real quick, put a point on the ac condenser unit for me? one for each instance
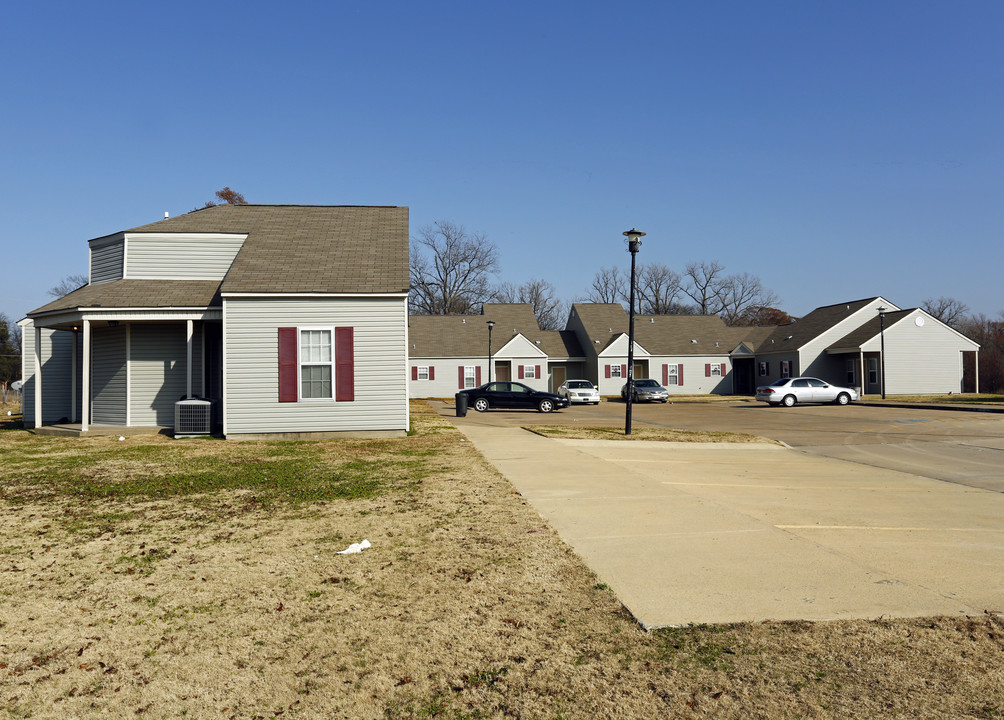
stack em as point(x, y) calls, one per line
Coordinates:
point(193, 417)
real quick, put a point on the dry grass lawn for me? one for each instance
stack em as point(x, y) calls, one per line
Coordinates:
point(154, 578)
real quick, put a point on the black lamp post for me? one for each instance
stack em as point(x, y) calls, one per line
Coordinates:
point(490, 324)
point(634, 242)
point(881, 312)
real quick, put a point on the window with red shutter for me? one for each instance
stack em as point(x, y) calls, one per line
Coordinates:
point(345, 373)
point(288, 345)
point(679, 373)
point(607, 370)
point(432, 373)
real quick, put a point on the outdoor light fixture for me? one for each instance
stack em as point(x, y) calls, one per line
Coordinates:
point(881, 312)
point(634, 237)
point(490, 324)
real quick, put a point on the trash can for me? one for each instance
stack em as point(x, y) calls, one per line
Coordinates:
point(461, 404)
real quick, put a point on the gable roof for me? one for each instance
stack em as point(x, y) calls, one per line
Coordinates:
point(467, 335)
point(869, 330)
point(327, 249)
point(793, 336)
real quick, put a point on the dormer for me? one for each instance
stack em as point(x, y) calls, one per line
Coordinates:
point(163, 256)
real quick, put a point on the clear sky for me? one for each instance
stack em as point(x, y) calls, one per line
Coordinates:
point(838, 150)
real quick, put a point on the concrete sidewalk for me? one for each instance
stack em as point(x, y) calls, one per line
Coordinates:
point(715, 533)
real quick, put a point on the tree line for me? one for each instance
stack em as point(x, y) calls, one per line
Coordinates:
point(452, 272)
point(988, 332)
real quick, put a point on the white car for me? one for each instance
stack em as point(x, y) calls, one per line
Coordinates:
point(579, 391)
point(789, 391)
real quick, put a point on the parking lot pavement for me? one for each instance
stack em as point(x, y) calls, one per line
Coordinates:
point(694, 533)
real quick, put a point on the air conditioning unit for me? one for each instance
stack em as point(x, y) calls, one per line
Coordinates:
point(193, 417)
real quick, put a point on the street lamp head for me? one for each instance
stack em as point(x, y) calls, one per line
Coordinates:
point(634, 239)
point(490, 324)
point(882, 311)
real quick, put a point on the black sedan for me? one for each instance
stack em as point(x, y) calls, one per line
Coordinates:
point(513, 395)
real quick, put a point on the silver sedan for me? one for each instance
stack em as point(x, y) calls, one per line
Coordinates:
point(790, 391)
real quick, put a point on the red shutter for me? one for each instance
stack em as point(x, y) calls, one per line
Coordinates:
point(520, 372)
point(287, 364)
point(723, 369)
point(665, 374)
point(679, 374)
point(624, 372)
point(707, 369)
point(414, 373)
point(460, 377)
point(345, 371)
point(537, 375)
point(607, 370)
point(477, 376)
point(432, 373)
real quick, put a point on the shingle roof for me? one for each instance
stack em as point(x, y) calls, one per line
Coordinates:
point(467, 335)
point(289, 249)
point(138, 294)
point(871, 329)
point(794, 335)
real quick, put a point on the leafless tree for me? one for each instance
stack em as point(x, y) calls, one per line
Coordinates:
point(738, 293)
point(608, 286)
point(947, 309)
point(550, 311)
point(990, 335)
point(10, 350)
point(227, 197)
point(67, 285)
point(450, 270)
point(658, 290)
point(703, 283)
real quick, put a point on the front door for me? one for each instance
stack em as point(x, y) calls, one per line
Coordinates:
point(502, 370)
point(557, 377)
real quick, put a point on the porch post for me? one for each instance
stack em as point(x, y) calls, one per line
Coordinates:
point(976, 363)
point(73, 378)
point(190, 331)
point(861, 377)
point(85, 377)
point(38, 376)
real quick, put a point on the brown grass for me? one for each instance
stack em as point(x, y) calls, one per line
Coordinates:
point(568, 432)
point(467, 606)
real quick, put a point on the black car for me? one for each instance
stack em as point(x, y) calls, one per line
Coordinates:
point(505, 394)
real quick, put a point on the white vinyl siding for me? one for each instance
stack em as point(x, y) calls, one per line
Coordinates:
point(179, 257)
point(107, 261)
point(922, 360)
point(57, 380)
point(251, 373)
point(108, 376)
point(158, 376)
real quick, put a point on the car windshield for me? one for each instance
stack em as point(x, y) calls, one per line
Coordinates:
point(579, 384)
point(646, 383)
point(782, 382)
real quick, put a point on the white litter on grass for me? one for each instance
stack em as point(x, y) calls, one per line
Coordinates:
point(8, 413)
point(121, 437)
point(355, 548)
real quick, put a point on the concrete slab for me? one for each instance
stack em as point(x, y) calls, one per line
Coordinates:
point(693, 533)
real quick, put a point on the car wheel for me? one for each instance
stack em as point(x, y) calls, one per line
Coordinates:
point(789, 401)
point(843, 399)
point(546, 406)
point(481, 404)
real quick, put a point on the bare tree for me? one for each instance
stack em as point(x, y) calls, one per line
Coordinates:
point(703, 283)
point(658, 289)
point(10, 350)
point(762, 315)
point(450, 270)
point(550, 311)
point(608, 286)
point(741, 292)
point(227, 197)
point(947, 309)
point(67, 285)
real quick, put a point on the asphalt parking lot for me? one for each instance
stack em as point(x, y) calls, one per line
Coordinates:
point(708, 533)
point(954, 446)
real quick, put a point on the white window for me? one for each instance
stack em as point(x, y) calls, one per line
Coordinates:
point(872, 371)
point(672, 377)
point(470, 376)
point(529, 372)
point(615, 371)
point(763, 369)
point(317, 363)
point(423, 372)
point(786, 368)
point(716, 369)
point(851, 374)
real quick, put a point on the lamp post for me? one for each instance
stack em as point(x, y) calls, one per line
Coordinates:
point(881, 312)
point(490, 324)
point(634, 237)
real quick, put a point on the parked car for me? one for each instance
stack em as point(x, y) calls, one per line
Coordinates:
point(789, 391)
point(646, 390)
point(579, 391)
point(506, 394)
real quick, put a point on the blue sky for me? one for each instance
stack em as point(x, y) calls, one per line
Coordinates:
point(836, 150)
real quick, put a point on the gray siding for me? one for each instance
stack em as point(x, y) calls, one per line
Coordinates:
point(170, 257)
point(107, 261)
point(57, 379)
point(251, 365)
point(158, 376)
point(923, 360)
point(108, 376)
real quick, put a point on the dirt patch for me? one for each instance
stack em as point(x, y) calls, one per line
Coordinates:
point(208, 603)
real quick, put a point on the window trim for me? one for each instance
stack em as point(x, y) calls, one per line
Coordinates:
point(615, 371)
point(420, 369)
point(300, 363)
point(673, 374)
point(471, 373)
